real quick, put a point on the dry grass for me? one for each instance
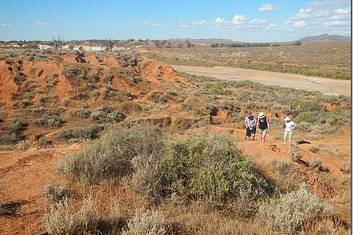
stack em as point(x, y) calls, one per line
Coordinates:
point(146, 223)
point(291, 211)
point(294, 154)
point(62, 219)
point(110, 157)
point(322, 60)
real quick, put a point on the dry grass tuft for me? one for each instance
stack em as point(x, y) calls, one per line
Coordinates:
point(291, 211)
point(146, 223)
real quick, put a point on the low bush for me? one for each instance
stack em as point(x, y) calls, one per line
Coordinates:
point(107, 115)
point(316, 164)
point(44, 142)
point(57, 193)
point(61, 218)
point(51, 120)
point(291, 211)
point(286, 176)
point(314, 149)
point(334, 117)
point(82, 113)
point(13, 133)
point(306, 106)
point(294, 154)
point(149, 222)
point(208, 168)
point(110, 157)
point(89, 133)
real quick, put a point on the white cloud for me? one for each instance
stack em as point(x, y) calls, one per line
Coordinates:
point(147, 23)
point(39, 23)
point(258, 22)
point(193, 23)
point(6, 25)
point(338, 17)
point(346, 10)
point(336, 23)
point(110, 12)
point(199, 22)
point(306, 13)
point(184, 25)
point(238, 19)
point(299, 24)
point(267, 7)
point(219, 20)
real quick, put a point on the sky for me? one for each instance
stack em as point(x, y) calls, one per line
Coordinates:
point(239, 20)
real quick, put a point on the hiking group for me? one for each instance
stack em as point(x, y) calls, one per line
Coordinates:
point(263, 124)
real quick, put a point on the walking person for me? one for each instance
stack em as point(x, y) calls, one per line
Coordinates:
point(250, 125)
point(289, 130)
point(264, 125)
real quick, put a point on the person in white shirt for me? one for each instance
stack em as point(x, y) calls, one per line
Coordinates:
point(250, 126)
point(289, 130)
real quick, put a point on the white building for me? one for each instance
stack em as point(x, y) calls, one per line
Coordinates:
point(45, 47)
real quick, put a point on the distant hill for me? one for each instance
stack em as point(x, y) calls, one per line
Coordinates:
point(325, 37)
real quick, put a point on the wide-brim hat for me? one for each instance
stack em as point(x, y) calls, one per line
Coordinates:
point(287, 119)
point(261, 115)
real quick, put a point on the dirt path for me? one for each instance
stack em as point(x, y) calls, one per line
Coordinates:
point(323, 85)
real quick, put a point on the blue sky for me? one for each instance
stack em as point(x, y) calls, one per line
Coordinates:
point(257, 21)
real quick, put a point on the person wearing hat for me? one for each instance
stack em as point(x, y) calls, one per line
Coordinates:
point(289, 129)
point(264, 125)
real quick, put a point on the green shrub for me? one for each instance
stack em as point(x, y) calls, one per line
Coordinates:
point(291, 211)
point(333, 117)
point(107, 115)
point(51, 120)
point(306, 106)
point(209, 168)
point(89, 133)
point(206, 167)
point(110, 157)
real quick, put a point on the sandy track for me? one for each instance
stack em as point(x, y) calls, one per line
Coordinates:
point(323, 85)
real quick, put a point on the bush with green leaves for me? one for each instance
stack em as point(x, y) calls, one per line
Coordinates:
point(334, 117)
point(109, 158)
point(107, 115)
point(89, 133)
point(51, 120)
point(290, 212)
point(205, 167)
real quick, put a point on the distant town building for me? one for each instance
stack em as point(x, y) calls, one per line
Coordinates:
point(45, 47)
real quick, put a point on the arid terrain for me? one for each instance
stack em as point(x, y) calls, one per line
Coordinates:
point(330, 59)
point(323, 85)
point(123, 143)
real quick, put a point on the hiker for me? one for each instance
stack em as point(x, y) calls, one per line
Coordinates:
point(250, 125)
point(263, 125)
point(289, 129)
